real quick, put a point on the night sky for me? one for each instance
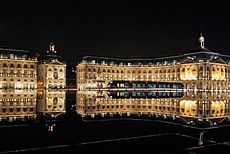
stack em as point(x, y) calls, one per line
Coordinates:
point(114, 29)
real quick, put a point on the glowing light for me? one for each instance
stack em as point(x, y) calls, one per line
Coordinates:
point(18, 85)
point(189, 73)
point(188, 106)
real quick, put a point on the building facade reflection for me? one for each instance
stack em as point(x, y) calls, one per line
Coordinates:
point(27, 104)
point(51, 102)
point(204, 75)
point(91, 103)
point(18, 104)
point(21, 75)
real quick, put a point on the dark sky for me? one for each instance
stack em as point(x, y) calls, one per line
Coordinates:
point(115, 29)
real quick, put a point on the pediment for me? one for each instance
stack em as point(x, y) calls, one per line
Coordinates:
point(219, 60)
point(188, 60)
point(56, 62)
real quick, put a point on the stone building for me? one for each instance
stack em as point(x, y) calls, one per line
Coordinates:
point(204, 74)
point(18, 81)
point(51, 71)
point(51, 102)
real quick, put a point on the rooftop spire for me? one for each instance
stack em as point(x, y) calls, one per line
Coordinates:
point(51, 48)
point(201, 41)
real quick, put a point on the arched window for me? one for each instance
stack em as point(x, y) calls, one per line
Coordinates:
point(178, 69)
point(12, 65)
point(201, 68)
point(222, 70)
point(25, 66)
point(31, 66)
point(55, 75)
point(19, 65)
point(183, 70)
point(55, 102)
point(4, 65)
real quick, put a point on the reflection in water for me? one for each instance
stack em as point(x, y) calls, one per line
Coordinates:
point(144, 84)
point(145, 94)
point(50, 127)
point(203, 75)
point(188, 103)
point(51, 102)
point(26, 104)
point(17, 104)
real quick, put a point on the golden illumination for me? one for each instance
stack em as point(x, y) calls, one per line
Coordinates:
point(188, 107)
point(13, 106)
point(52, 75)
point(51, 101)
point(188, 73)
point(218, 108)
point(205, 86)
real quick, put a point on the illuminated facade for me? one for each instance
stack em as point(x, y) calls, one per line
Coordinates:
point(51, 72)
point(204, 74)
point(17, 70)
point(18, 81)
point(17, 104)
point(51, 102)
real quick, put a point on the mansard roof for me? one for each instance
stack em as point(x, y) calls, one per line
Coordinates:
point(16, 54)
point(201, 54)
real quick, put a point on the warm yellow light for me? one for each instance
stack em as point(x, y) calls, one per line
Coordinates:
point(189, 73)
point(18, 85)
point(217, 107)
point(189, 106)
